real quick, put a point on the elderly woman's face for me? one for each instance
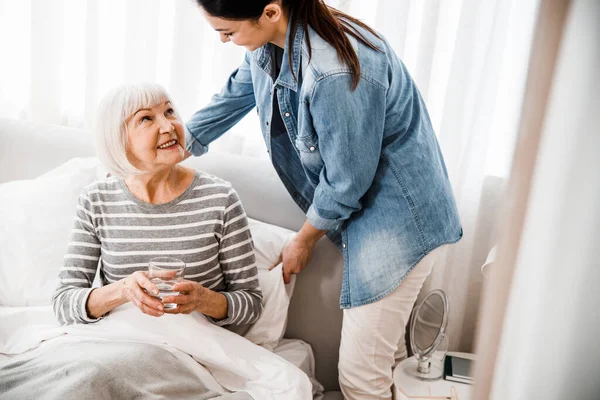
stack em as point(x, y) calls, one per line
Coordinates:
point(156, 138)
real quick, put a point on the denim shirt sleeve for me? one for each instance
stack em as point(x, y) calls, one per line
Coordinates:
point(349, 125)
point(224, 111)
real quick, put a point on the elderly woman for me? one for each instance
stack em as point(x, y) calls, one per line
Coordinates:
point(151, 207)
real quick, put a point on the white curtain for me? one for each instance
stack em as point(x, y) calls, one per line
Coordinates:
point(468, 57)
point(547, 348)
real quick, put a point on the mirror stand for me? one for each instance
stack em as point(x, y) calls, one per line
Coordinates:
point(423, 366)
point(428, 339)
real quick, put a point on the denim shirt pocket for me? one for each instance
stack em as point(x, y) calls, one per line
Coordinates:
point(310, 156)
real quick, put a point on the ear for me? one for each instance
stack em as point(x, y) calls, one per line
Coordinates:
point(273, 12)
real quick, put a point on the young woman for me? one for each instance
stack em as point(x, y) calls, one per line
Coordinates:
point(351, 139)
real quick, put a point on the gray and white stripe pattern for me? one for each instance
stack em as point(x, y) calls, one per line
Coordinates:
point(206, 227)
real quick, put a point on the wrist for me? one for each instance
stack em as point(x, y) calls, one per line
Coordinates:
point(309, 238)
point(104, 299)
point(306, 240)
point(213, 304)
point(309, 235)
point(117, 296)
point(221, 306)
point(120, 295)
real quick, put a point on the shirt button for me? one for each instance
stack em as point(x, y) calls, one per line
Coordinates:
point(344, 245)
point(312, 148)
point(287, 114)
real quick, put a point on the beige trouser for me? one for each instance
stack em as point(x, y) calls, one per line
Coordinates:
point(373, 337)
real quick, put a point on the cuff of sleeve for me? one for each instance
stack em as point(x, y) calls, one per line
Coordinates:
point(192, 145)
point(83, 309)
point(320, 222)
point(230, 312)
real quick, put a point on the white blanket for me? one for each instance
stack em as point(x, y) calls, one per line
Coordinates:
point(235, 363)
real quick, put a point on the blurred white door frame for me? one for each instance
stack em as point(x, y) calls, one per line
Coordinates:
point(539, 321)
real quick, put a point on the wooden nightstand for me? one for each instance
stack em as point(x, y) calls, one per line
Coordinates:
point(405, 384)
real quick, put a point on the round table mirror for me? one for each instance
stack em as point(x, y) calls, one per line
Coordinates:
point(428, 338)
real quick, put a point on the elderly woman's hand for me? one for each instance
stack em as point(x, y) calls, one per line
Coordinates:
point(133, 290)
point(195, 297)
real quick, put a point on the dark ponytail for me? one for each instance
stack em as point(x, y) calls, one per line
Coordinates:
point(329, 23)
point(332, 25)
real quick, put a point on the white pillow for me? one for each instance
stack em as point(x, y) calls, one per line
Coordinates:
point(37, 217)
point(269, 242)
point(91, 165)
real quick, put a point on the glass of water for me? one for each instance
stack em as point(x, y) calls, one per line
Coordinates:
point(165, 273)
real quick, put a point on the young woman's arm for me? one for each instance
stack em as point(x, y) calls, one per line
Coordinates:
point(298, 252)
point(224, 111)
point(350, 141)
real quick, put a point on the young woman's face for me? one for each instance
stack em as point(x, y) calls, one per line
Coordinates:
point(247, 33)
point(155, 138)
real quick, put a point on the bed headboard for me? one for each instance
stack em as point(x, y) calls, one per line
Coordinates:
point(29, 150)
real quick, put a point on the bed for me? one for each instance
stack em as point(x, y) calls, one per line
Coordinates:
point(296, 361)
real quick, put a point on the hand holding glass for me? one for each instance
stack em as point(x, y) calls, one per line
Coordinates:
point(165, 273)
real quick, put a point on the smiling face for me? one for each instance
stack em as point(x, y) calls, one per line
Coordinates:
point(241, 33)
point(155, 137)
point(250, 34)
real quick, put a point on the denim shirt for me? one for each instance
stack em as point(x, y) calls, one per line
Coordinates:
point(365, 165)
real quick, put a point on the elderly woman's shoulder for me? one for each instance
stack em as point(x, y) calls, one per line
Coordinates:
point(107, 185)
point(206, 180)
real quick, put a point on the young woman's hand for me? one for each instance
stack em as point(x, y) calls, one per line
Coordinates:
point(298, 252)
point(133, 290)
point(295, 257)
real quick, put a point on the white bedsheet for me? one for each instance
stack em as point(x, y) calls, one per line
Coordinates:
point(233, 362)
point(301, 355)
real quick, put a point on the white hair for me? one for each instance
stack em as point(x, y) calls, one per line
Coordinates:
point(115, 109)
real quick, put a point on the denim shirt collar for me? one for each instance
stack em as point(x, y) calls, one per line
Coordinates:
point(262, 57)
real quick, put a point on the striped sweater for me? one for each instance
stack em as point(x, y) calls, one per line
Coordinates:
point(206, 227)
